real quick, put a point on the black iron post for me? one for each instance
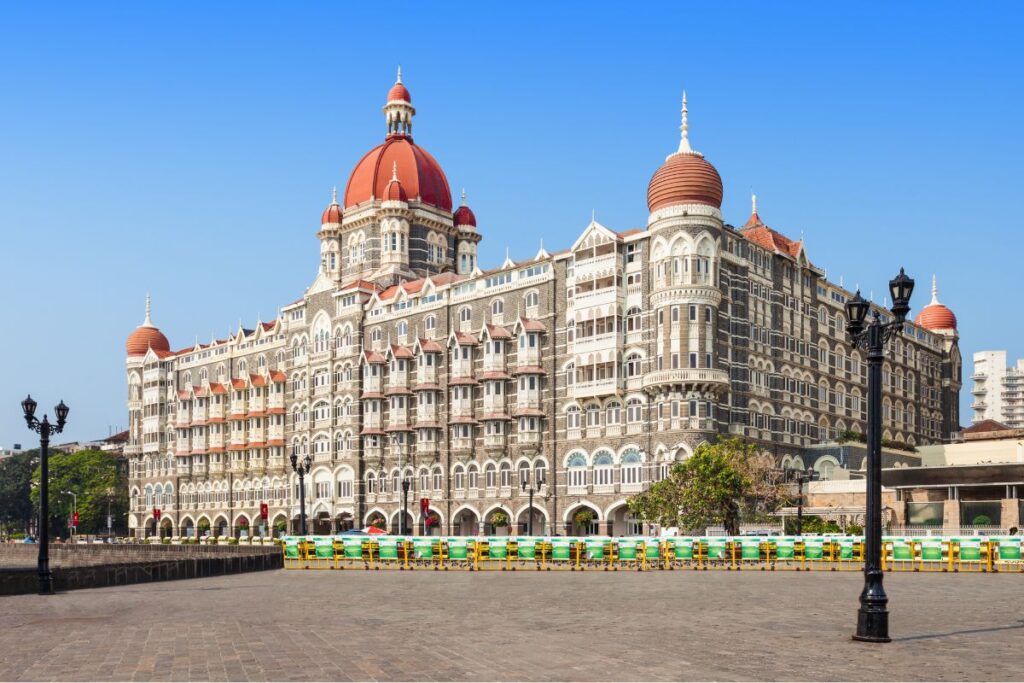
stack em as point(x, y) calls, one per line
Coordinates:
point(302, 470)
point(534, 487)
point(873, 615)
point(44, 428)
point(406, 485)
point(801, 477)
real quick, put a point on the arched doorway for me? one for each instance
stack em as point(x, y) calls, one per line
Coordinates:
point(345, 522)
point(188, 528)
point(150, 529)
point(408, 526)
point(242, 529)
point(540, 521)
point(320, 525)
point(619, 521)
point(220, 527)
point(582, 519)
point(279, 527)
point(431, 524)
point(166, 528)
point(466, 523)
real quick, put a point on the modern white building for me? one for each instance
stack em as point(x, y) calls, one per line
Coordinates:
point(998, 389)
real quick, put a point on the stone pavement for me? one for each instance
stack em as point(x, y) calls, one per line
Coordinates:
point(425, 625)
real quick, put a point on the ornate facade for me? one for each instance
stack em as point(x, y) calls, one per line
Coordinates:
point(585, 372)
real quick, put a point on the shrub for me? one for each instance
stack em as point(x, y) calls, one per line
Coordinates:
point(232, 541)
point(982, 520)
point(583, 517)
point(165, 541)
point(855, 529)
point(499, 519)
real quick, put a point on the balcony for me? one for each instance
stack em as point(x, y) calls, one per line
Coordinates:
point(462, 368)
point(426, 375)
point(462, 444)
point(599, 297)
point(596, 342)
point(528, 438)
point(346, 351)
point(595, 387)
point(596, 267)
point(494, 441)
point(529, 400)
point(494, 404)
point(199, 415)
point(372, 384)
point(426, 449)
point(494, 363)
point(528, 356)
point(701, 377)
point(276, 400)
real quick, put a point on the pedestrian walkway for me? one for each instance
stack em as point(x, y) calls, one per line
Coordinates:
point(422, 626)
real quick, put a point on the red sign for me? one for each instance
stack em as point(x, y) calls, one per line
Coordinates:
point(74, 519)
point(264, 510)
point(156, 514)
point(424, 505)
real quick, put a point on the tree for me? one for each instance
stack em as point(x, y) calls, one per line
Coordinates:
point(719, 484)
point(16, 509)
point(97, 481)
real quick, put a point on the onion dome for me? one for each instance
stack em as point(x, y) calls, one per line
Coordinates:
point(394, 192)
point(422, 177)
point(332, 214)
point(685, 177)
point(936, 317)
point(398, 92)
point(464, 215)
point(146, 336)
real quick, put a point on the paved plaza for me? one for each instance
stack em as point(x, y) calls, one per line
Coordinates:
point(425, 625)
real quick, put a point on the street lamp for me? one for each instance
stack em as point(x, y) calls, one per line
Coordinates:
point(524, 480)
point(74, 511)
point(873, 615)
point(801, 476)
point(302, 470)
point(44, 429)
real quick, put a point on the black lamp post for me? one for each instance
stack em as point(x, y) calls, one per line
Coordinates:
point(873, 615)
point(302, 470)
point(534, 486)
point(44, 428)
point(801, 476)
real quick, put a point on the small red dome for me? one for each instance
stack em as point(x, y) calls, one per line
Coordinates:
point(685, 178)
point(421, 175)
point(395, 192)
point(936, 317)
point(146, 337)
point(400, 93)
point(332, 214)
point(464, 215)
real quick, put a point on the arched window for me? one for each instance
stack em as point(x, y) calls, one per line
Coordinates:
point(505, 475)
point(634, 323)
point(577, 470)
point(603, 466)
point(631, 368)
point(403, 328)
point(614, 413)
point(634, 409)
point(531, 300)
point(430, 323)
point(632, 468)
point(465, 314)
point(572, 417)
point(497, 307)
point(473, 476)
point(593, 415)
point(491, 475)
point(459, 477)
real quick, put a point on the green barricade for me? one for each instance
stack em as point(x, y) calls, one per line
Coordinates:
point(497, 548)
point(423, 548)
point(594, 548)
point(846, 549)
point(1009, 549)
point(814, 549)
point(323, 547)
point(352, 547)
point(458, 548)
point(627, 549)
point(291, 547)
point(562, 550)
point(527, 548)
point(652, 551)
point(716, 548)
point(750, 549)
point(785, 549)
point(387, 548)
point(931, 549)
point(902, 550)
point(682, 548)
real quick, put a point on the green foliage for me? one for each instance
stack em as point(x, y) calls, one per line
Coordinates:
point(718, 484)
point(583, 517)
point(499, 519)
point(16, 509)
point(280, 525)
point(855, 529)
point(982, 520)
point(812, 524)
point(94, 476)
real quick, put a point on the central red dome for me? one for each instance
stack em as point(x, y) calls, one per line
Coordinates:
point(420, 174)
point(685, 178)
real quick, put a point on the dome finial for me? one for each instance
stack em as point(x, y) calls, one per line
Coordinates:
point(753, 203)
point(148, 322)
point(935, 290)
point(684, 129)
point(394, 171)
point(463, 196)
point(334, 195)
point(399, 78)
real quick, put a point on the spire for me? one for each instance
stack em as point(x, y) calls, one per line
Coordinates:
point(394, 167)
point(398, 79)
point(684, 129)
point(334, 195)
point(148, 322)
point(463, 196)
point(753, 203)
point(935, 290)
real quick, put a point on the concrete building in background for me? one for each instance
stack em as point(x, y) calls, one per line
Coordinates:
point(590, 369)
point(998, 389)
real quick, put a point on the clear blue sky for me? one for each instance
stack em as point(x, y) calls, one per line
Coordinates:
point(188, 150)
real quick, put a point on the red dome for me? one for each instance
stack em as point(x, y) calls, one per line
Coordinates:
point(395, 192)
point(685, 178)
point(422, 177)
point(399, 92)
point(146, 337)
point(332, 214)
point(936, 317)
point(465, 216)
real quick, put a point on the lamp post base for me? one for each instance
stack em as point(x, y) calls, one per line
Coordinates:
point(872, 626)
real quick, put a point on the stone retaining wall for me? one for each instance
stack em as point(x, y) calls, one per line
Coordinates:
point(96, 566)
